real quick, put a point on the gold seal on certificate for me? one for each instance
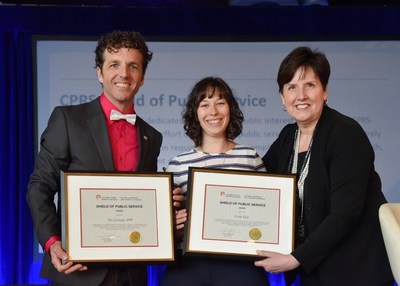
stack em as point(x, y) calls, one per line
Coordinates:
point(134, 237)
point(255, 233)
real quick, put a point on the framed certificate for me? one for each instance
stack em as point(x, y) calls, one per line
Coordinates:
point(238, 212)
point(117, 217)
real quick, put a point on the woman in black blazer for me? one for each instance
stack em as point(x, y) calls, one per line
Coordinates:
point(338, 237)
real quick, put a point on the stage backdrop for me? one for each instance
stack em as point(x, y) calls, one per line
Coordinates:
point(364, 85)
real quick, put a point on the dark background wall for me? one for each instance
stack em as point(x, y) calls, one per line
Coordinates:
point(206, 19)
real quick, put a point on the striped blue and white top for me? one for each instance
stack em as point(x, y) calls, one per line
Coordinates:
point(239, 158)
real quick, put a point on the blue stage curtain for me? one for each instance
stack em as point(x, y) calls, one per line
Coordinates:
point(16, 160)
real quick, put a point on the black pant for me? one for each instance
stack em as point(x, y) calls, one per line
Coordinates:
point(118, 277)
point(195, 271)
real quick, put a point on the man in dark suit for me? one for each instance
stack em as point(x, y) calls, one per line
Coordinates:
point(88, 137)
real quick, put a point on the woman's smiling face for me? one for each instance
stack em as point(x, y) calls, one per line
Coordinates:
point(304, 97)
point(214, 115)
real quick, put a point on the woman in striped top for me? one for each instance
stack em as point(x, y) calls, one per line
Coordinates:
point(212, 119)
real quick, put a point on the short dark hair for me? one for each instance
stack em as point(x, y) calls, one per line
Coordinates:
point(306, 58)
point(116, 40)
point(191, 122)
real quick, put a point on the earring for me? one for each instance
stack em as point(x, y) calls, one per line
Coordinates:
point(284, 107)
point(326, 102)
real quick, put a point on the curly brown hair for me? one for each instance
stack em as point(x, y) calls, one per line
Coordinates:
point(218, 87)
point(116, 40)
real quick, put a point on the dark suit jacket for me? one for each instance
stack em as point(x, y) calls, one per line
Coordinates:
point(76, 138)
point(342, 195)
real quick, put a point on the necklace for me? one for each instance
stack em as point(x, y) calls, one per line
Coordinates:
point(213, 156)
point(303, 170)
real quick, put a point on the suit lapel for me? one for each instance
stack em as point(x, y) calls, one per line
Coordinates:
point(287, 149)
point(143, 142)
point(98, 128)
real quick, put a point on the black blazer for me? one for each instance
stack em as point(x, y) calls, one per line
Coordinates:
point(76, 138)
point(342, 195)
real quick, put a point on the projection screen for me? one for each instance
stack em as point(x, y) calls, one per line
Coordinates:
point(364, 80)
